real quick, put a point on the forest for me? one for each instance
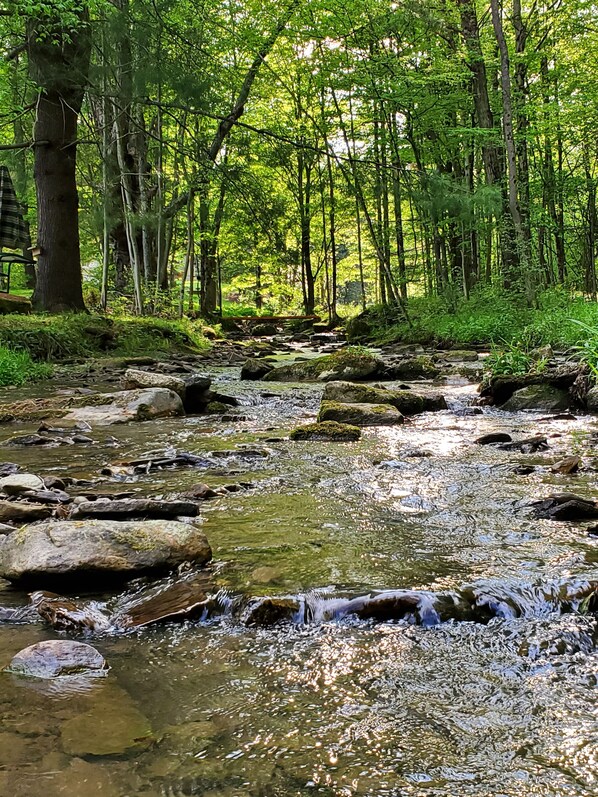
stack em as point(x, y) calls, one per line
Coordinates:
point(298, 398)
point(243, 157)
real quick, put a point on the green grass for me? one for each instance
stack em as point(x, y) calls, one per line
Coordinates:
point(50, 338)
point(17, 367)
point(495, 318)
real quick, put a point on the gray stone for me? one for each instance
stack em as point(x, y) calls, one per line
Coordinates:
point(57, 658)
point(592, 399)
point(360, 414)
point(130, 405)
point(134, 379)
point(96, 550)
point(20, 483)
point(134, 507)
point(538, 397)
point(255, 369)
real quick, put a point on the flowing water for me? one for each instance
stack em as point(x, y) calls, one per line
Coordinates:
point(340, 707)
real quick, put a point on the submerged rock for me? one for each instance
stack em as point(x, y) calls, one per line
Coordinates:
point(111, 725)
point(94, 550)
point(406, 401)
point(327, 431)
point(528, 445)
point(58, 658)
point(538, 397)
point(352, 365)
point(360, 414)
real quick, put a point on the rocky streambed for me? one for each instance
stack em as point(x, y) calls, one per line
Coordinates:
point(276, 609)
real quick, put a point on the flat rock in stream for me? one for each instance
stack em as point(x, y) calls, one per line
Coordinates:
point(58, 658)
point(184, 599)
point(20, 483)
point(130, 405)
point(22, 512)
point(95, 551)
point(406, 401)
point(134, 379)
point(360, 414)
point(134, 507)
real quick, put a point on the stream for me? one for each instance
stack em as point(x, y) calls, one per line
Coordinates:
point(335, 707)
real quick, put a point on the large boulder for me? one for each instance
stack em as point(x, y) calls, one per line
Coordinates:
point(98, 550)
point(197, 393)
point(57, 658)
point(545, 398)
point(360, 414)
point(406, 401)
point(351, 364)
point(134, 379)
point(129, 405)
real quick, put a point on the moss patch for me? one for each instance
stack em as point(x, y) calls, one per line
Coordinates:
point(327, 431)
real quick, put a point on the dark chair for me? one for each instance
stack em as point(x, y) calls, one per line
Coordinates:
point(6, 261)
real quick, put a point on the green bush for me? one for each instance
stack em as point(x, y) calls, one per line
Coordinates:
point(17, 367)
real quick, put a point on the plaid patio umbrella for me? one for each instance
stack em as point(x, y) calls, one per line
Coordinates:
point(13, 230)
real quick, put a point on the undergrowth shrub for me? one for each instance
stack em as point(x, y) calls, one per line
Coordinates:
point(17, 367)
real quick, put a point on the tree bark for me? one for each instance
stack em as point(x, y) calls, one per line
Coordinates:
point(59, 65)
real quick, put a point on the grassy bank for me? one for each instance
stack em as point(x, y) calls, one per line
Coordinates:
point(491, 318)
point(52, 338)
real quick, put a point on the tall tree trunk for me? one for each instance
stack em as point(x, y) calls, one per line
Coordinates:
point(59, 65)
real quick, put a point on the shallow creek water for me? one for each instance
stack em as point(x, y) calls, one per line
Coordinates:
point(339, 708)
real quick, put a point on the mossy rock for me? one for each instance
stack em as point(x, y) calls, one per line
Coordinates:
point(351, 364)
point(327, 431)
point(360, 414)
point(420, 367)
point(216, 408)
point(545, 398)
point(359, 328)
point(405, 401)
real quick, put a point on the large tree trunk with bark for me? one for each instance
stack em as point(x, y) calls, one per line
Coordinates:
point(59, 64)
